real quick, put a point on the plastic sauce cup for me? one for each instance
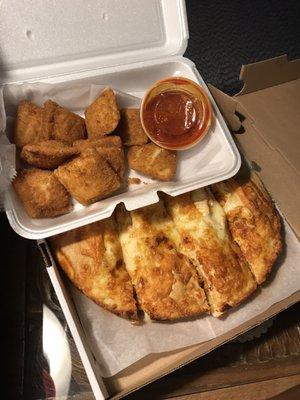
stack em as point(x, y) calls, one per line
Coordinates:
point(176, 113)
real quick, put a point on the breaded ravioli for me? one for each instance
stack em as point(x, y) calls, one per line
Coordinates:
point(48, 154)
point(28, 124)
point(41, 193)
point(115, 158)
point(104, 141)
point(48, 117)
point(253, 221)
point(63, 124)
point(103, 115)
point(110, 148)
point(91, 256)
point(130, 128)
point(88, 177)
point(205, 239)
point(154, 161)
point(166, 282)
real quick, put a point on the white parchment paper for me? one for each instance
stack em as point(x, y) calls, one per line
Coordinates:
point(117, 344)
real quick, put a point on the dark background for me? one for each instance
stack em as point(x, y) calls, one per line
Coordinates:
point(223, 36)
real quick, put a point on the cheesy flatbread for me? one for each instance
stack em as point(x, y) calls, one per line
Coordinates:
point(165, 281)
point(91, 256)
point(205, 239)
point(253, 222)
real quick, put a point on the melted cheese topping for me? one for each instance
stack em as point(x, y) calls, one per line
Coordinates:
point(166, 282)
point(205, 239)
point(253, 223)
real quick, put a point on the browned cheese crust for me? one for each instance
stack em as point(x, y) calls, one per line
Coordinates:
point(253, 221)
point(91, 256)
point(165, 281)
point(41, 193)
point(154, 161)
point(88, 177)
point(103, 115)
point(63, 124)
point(28, 124)
point(130, 128)
point(48, 154)
point(205, 240)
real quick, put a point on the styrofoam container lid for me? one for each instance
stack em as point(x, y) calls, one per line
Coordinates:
point(43, 38)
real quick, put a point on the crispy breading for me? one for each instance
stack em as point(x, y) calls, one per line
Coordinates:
point(28, 124)
point(91, 256)
point(66, 126)
point(115, 157)
point(154, 161)
point(130, 128)
point(109, 147)
point(105, 141)
point(103, 115)
point(253, 221)
point(48, 154)
point(41, 193)
point(88, 177)
point(48, 117)
point(206, 240)
point(165, 281)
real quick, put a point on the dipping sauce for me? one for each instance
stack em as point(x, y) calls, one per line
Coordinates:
point(178, 115)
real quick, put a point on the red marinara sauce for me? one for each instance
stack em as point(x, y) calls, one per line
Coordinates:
point(178, 116)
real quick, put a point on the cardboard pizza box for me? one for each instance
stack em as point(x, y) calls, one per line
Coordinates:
point(265, 118)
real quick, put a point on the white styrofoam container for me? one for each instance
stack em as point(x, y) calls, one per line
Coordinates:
point(127, 45)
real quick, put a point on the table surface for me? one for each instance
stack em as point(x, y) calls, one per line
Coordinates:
point(223, 36)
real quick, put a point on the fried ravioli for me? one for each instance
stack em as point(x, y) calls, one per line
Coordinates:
point(41, 193)
point(165, 281)
point(130, 128)
point(205, 239)
point(63, 124)
point(48, 154)
point(88, 177)
point(91, 257)
point(28, 124)
point(115, 158)
point(253, 221)
point(48, 117)
point(110, 148)
point(103, 115)
point(154, 161)
point(105, 141)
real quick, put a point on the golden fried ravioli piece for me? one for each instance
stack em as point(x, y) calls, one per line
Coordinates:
point(166, 282)
point(28, 124)
point(103, 115)
point(105, 141)
point(91, 256)
point(63, 124)
point(88, 177)
point(110, 148)
point(48, 117)
point(41, 193)
point(207, 242)
point(115, 158)
point(131, 130)
point(48, 154)
point(154, 161)
point(253, 221)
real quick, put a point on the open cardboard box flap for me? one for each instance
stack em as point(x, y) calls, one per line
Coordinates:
point(267, 108)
